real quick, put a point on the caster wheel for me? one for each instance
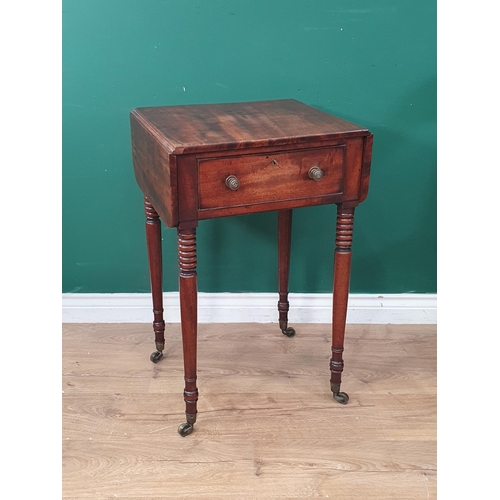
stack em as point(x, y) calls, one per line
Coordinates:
point(289, 332)
point(341, 397)
point(156, 356)
point(185, 429)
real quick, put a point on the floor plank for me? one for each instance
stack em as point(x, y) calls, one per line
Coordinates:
point(267, 427)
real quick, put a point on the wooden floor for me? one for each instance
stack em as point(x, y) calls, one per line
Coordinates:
point(267, 426)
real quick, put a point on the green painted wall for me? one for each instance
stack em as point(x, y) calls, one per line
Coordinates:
point(371, 62)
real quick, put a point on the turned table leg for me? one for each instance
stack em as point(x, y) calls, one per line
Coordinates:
point(284, 243)
point(341, 275)
point(189, 322)
point(153, 238)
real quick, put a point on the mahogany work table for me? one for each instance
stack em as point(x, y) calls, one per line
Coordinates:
point(198, 162)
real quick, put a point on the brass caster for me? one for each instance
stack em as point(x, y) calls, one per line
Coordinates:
point(289, 332)
point(341, 397)
point(185, 429)
point(156, 356)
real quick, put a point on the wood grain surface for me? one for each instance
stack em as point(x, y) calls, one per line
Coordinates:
point(267, 426)
point(208, 127)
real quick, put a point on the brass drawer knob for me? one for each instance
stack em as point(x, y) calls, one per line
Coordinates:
point(315, 173)
point(232, 182)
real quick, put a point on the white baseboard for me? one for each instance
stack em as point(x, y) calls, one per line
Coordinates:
point(406, 308)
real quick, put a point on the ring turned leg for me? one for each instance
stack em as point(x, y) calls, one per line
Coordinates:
point(153, 238)
point(284, 243)
point(189, 322)
point(341, 275)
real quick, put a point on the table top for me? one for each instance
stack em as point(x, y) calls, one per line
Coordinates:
point(216, 127)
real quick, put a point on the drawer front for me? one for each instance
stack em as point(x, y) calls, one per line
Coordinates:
point(270, 177)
